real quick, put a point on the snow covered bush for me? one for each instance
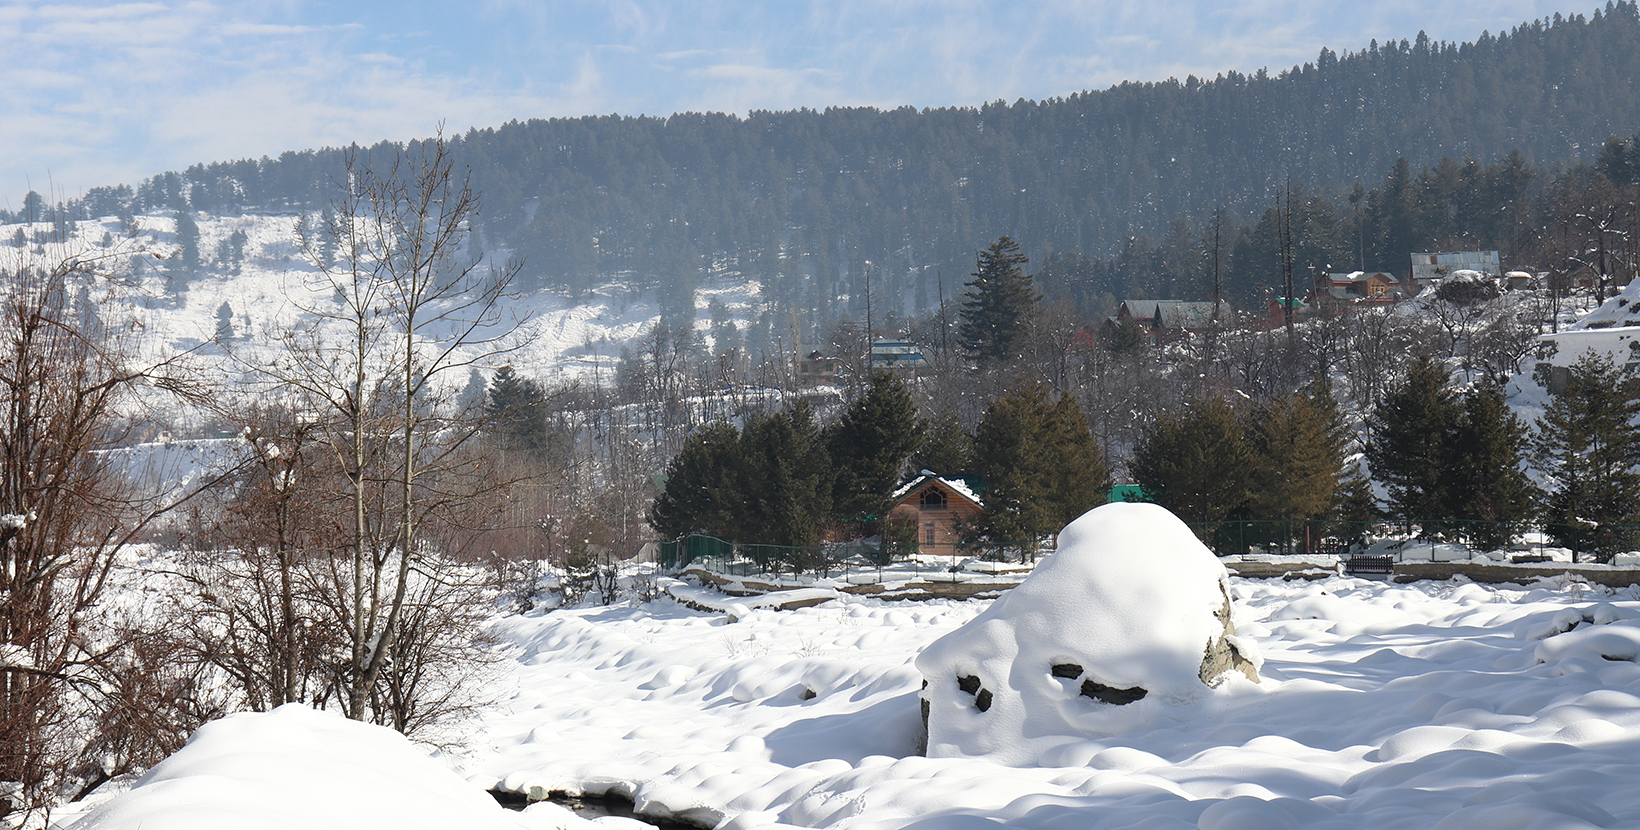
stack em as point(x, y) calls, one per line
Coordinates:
point(1127, 621)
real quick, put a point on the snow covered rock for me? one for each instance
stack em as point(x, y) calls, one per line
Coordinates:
point(1129, 620)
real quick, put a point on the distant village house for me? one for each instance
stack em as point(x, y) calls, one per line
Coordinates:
point(817, 370)
point(1360, 285)
point(1430, 268)
point(901, 357)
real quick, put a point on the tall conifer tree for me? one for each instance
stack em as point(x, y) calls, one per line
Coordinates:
point(946, 449)
point(1587, 448)
point(1000, 303)
point(1411, 434)
point(1486, 485)
point(702, 485)
point(188, 257)
point(518, 415)
point(869, 446)
point(1197, 464)
point(1295, 476)
point(785, 479)
point(1039, 464)
point(1078, 479)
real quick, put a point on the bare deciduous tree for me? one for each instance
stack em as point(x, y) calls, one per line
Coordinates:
point(68, 367)
point(400, 303)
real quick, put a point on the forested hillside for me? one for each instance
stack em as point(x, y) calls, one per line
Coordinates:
point(803, 200)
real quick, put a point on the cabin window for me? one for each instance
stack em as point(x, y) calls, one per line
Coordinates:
point(928, 533)
point(933, 499)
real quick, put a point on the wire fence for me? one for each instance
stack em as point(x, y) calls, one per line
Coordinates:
point(1449, 540)
point(1441, 540)
point(861, 562)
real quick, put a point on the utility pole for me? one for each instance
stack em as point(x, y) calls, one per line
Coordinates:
point(1218, 215)
point(869, 331)
point(1284, 215)
point(945, 325)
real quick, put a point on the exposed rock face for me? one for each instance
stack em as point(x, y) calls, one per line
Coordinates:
point(1223, 655)
point(1128, 620)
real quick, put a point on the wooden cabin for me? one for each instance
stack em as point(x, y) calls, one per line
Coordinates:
point(939, 507)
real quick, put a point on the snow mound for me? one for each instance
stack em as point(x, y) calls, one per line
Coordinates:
point(1615, 642)
point(1123, 624)
point(297, 767)
point(1623, 309)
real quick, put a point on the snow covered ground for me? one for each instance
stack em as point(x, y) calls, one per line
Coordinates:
point(1450, 705)
point(1380, 706)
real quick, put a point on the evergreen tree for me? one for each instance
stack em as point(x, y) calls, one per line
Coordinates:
point(33, 208)
point(518, 415)
point(1297, 462)
point(869, 446)
point(224, 321)
point(1587, 448)
point(767, 483)
point(1038, 463)
point(1077, 478)
point(475, 395)
point(236, 251)
point(1000, 303)
point(326, 246)
point(702, 486)
point(1197, 464)
point(1486, 484)
point(785, 479)
point(1353, 504)
point(946, 449)
point(1411, 435)
point(188, 258)
point(1007, 460)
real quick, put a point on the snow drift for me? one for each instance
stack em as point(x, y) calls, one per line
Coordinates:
point(297, 767)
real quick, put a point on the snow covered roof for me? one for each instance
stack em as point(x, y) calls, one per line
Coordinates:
point(959, 486)
point(896, 354)
point(1179, 313)
point(1362, 276)
point(1463, 275)
point(1433, 266)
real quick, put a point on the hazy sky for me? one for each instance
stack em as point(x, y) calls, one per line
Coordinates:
point(98, 93)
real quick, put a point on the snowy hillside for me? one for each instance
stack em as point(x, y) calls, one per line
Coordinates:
point(277, 289)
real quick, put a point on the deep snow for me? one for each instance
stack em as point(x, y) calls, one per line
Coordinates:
point(1380, 706)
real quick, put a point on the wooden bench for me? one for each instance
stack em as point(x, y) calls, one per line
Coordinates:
point(1369, 565)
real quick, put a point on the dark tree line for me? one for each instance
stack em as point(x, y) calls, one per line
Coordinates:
point(781, 479)
point(1453, 465)
point(1280, 463)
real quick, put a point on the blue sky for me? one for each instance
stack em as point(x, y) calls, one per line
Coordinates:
point(106, 92)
